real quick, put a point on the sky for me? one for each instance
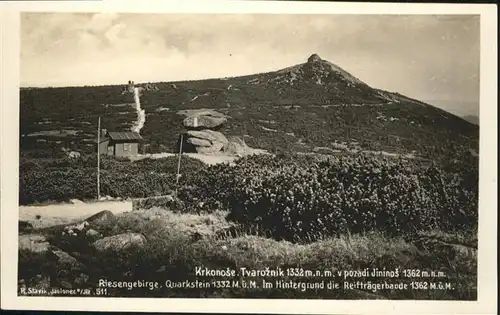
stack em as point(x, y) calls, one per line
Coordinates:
point(431, 58)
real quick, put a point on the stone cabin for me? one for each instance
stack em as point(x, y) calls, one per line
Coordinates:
point(119, 143)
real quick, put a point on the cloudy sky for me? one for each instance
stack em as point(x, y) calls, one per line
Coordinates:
point(432, 58)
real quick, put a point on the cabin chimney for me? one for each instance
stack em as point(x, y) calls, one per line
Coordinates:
point(103, 133)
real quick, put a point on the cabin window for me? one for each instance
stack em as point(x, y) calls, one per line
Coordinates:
point(127, 147)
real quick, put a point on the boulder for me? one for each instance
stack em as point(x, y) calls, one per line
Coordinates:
point(209, 135)
point(81, 280)
point(67, 272)
point(216, 147)
point(63, 258)
point(120, 242)
point(76, 227)
point(35, 243)
point(204, 122)
point(206, 141)
point(100, 218)
point(25, 226)
point(199, 142)
point(64, 261)
point(93, 235)
point(236, 146)
point(204, 119)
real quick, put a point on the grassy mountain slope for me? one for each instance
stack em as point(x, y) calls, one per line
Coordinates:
point(306, 106)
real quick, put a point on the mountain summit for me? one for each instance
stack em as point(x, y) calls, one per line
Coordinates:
point(320, 76)
point(319, 69)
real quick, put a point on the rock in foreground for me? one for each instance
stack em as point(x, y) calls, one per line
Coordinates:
point(100, 218)
point(120, 242)
point(35, 243)
point(25, 226)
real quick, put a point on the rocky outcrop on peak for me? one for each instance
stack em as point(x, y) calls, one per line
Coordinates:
point(129, 88)
point(316, 71)
point(151, 87)
point(314, 58)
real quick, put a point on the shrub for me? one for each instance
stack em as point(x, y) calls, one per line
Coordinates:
point(167, 202)
point(63, 179)
point(307, 198)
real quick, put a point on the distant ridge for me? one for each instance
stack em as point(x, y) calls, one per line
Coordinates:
point(472, 119)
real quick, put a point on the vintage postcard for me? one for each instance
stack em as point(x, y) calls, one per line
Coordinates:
point(249, 157)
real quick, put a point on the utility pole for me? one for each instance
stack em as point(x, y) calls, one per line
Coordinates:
point(178, 167)
point(98, 158)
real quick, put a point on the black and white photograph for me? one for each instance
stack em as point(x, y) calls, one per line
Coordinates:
point(249, 156)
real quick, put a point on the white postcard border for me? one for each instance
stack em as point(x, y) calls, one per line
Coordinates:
point(9, 150)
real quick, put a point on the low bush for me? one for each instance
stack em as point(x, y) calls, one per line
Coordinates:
point(301, 198)
point(64, 179)
point(164, 202)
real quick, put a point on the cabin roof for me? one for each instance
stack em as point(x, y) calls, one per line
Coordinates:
point(124, 135)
